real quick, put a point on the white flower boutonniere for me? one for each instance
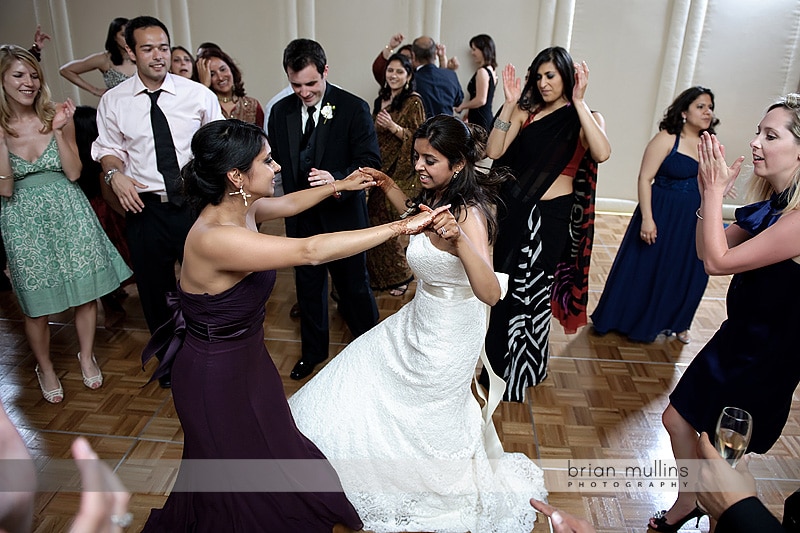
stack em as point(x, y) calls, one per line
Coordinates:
point(327, 112)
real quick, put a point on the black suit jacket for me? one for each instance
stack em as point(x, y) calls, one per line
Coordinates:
point(439, 89)
point(748, 516)
point(343, 143)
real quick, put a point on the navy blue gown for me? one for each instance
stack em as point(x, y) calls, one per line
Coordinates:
point(753, 361)
point(657, 287)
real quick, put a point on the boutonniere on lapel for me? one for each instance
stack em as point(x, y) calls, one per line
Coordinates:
point(327, 112)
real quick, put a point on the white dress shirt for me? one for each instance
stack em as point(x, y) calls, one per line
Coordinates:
point(125, 130)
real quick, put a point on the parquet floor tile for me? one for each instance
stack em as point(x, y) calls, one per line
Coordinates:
point(602, 401)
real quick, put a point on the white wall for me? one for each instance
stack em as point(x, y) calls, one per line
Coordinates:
point(641, 53)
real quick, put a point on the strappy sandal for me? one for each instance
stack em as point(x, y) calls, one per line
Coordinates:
point(399, 291)
point(51, 396)
point(94, 382)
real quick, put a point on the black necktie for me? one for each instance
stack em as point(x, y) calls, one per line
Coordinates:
point(166, 159)
point(309, 128)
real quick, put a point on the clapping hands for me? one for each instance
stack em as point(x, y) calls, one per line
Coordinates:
point(713, 172)
point(64, 113)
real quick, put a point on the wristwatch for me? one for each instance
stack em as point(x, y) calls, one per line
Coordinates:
point(109, 174)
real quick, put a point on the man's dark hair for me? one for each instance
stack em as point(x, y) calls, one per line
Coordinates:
point(424, 49)
point(139, 23)
point(303, 52)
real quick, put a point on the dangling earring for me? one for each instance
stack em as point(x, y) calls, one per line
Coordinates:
point(684, 119)
point(245, 196)
point(455, 174)
point(406, 86)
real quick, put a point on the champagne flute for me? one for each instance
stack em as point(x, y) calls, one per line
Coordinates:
point(734, 428)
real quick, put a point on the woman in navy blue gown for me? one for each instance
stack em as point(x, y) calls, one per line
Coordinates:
point(657, 281)
point(751, 362)
point(228, 394)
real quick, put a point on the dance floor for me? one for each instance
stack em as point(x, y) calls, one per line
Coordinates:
point(602, 400)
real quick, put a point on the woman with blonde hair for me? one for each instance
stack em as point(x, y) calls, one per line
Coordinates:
point(751, 361)
point(58, 255)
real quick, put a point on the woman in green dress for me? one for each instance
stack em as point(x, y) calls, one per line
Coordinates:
point(58, 255)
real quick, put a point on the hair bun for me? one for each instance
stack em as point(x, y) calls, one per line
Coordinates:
point(793, 100)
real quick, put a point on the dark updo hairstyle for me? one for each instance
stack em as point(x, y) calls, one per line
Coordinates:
point(673, 118)
point(531, 98)
point(238, 84)
point(217, 148)
point(111, 39)
point(386, 93)
point(472, 187)
point(485, 44)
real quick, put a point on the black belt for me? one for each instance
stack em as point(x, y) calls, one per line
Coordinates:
point(153, 197)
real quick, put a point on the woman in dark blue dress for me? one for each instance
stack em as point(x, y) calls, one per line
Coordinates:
point(752, 361)
point(657, 281)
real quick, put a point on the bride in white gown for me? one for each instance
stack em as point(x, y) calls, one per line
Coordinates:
point(394, 412)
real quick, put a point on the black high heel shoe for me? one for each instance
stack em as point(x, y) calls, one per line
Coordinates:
point(660, 520)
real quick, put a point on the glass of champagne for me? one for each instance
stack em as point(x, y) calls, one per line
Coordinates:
point(734, 428)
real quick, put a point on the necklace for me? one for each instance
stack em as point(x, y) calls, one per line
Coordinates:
point(226, 99)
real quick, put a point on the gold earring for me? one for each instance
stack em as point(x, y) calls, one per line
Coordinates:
point(245, 196)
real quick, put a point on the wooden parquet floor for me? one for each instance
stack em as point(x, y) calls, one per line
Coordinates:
point(602, 400)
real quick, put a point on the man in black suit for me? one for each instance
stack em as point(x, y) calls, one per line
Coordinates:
point(438, 87)
point(319, 134)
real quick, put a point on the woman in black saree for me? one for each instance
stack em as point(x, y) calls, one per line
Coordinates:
point(551, 140)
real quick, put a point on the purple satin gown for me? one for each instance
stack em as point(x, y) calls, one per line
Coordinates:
point(231, 404)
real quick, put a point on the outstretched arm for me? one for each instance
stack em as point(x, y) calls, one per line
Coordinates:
point(293, 203)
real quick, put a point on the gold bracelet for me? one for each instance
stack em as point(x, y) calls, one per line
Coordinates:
point(336, 194)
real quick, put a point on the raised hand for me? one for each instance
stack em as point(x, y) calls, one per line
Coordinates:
point(356, 181)
point(581, 81)
point(395, 40)
point(40, 37)
point(64, 113)
point(203, 72)
point(512, 86)
point(713, 172)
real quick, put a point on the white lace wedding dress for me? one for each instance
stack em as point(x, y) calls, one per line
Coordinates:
point(396, 416)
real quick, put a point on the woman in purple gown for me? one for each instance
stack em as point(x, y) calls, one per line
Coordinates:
point(227, 391)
